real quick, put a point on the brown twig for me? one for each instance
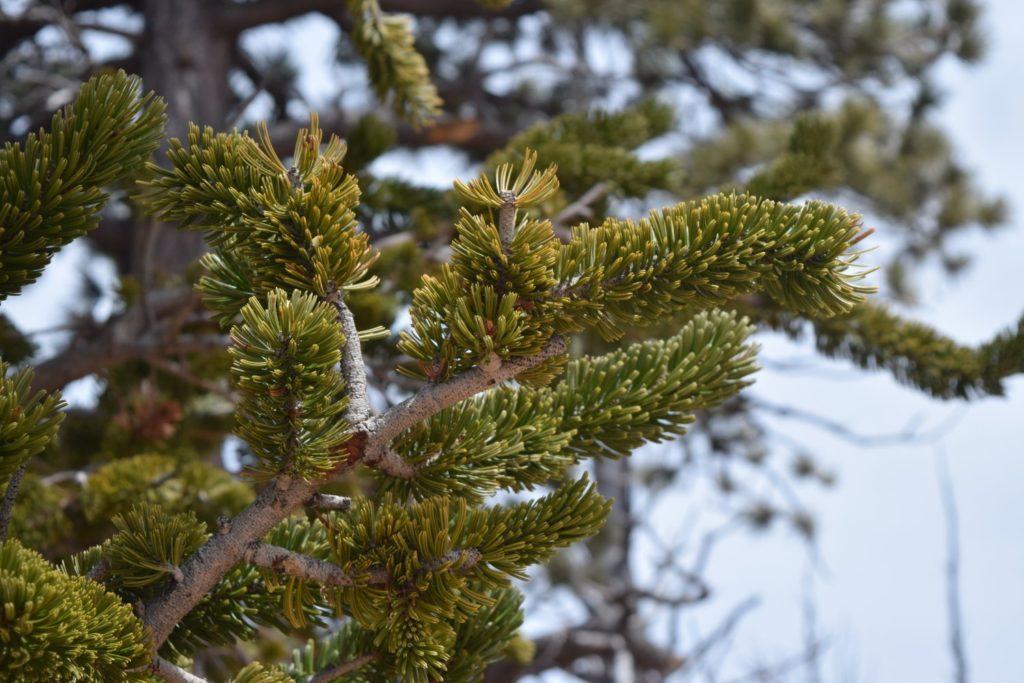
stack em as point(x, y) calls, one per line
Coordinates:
point(338, 670)
point(7, 507)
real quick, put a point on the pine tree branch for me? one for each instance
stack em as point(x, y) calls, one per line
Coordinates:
point(562, 650)
point(284, 495)
point(581, 207)
point(182, 373)
point(283, 561)
point(237, 17)
point(338, 670)
point(171, 673)
point(220, 553)
point(129, 336)
point(353, 368)
point(507, 219)
point(7, 507)
point(474, 136)
point(433, 398)
point(392, 464)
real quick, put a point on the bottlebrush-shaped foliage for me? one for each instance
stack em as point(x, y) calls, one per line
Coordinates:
point(395, 68)
point(28, 419)
point(51, 187)
point(872, 336)
point(603, 406)
point(428, 580)
point(60, 627)
point(292, 395)
point(270, 226)
point(203, 488)
point(503, 298)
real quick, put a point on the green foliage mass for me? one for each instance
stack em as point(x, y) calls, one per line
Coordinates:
point(504, 301)
point(292, 395)
point(175, 486)
point(150, 545)
point(60, 627)
point(916, 354)
point(396, 69)
point(420, 571)
point(28, 419)
point(603, 406)
point(270, 226)
point(598, 148)
point(415, 573)
point(51, 186)
point(39, 520)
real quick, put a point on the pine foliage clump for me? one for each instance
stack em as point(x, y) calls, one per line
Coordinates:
point(61, 627)
point(420, 574)
point(51, 187)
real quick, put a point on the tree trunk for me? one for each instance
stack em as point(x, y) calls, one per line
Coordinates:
point(185, 57)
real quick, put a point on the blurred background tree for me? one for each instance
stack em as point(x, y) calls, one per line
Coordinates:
point(640, 104)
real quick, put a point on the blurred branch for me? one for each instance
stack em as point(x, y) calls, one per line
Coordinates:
point(562, 650)
point(126, 337)
point(172, 673)
point(953, 603)
point(338, 670)
point(581, 207)
point(910, 433)
point(468, 134)
point(724, 629)
point(237, 17)
point(10, 494)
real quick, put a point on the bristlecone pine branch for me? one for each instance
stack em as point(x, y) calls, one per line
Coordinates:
point(420, 572)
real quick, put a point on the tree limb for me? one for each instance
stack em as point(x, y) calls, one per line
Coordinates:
point(284, 561)
point(352, 366)
point(338, 670)
point(220, 553)
point(284, 495)
point(954, 611)
point(171, 673)
point(7, 507)
point(326, 501)
point(236, 17)
point(433, 398)
point(581, 207)
point(128, 336)
point(468, 134)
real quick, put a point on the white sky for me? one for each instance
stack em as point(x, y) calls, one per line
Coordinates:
point(882, 532)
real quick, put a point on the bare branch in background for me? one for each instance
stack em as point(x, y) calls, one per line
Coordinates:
point(954, 611)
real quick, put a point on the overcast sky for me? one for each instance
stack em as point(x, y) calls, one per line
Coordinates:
point(882, 543)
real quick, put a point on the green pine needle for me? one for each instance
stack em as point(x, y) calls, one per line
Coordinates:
point(51, 186)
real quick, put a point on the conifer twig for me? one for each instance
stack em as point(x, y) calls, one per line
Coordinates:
point(433, 398)
point(954, 610)
point(220, 553)
point(171, 673)
point(581, 207)
point(284, 561)
point(284, 495)
point(507, 219)
point(335, 672)
point(352, 366)
point(7, 507)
